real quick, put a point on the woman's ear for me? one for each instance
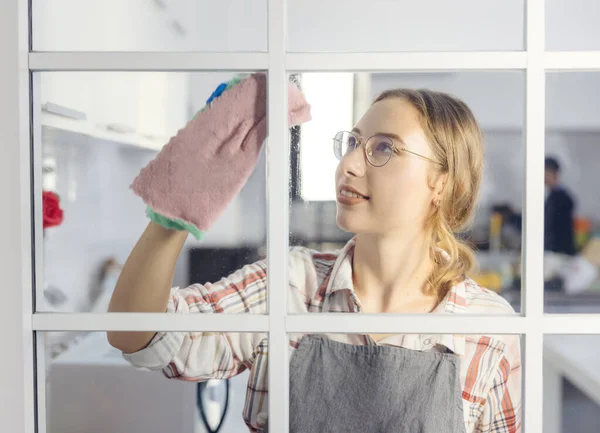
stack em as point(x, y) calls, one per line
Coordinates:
point(441, 182)
point(438, 189)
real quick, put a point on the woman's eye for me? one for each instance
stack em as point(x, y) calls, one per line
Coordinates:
point(383, 147)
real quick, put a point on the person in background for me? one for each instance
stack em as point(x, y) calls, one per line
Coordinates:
point(559, 235)
point(559, 231)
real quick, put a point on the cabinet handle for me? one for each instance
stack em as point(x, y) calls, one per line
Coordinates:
point(61, 110)
point(121, 128)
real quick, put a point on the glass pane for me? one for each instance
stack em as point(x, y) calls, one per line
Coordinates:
point(321, 221)
point(393, 384)
point(405, 25)
point(89, 387)
point(85, 385)
point(572, 213)
point(572, 25)
point(144, 25)
point(94, 133)
point(571, 384)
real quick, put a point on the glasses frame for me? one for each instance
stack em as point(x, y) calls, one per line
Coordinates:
point(395, 148)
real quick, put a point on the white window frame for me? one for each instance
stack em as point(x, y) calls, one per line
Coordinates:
point(18, 380)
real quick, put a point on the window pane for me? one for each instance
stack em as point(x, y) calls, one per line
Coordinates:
point(571, 384)
point(572, 25)
point(438, 382)
point(572, 214)
point(90, 387)
point(143, 25)
point(85, 385)
point(97, 131)
point(320, 222)
point(387, 26)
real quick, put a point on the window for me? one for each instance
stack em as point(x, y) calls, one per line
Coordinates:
point(44, 39)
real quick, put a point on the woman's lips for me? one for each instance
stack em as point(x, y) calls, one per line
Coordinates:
point(350, 200)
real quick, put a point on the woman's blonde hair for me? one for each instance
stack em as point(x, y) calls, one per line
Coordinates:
point(457, 143)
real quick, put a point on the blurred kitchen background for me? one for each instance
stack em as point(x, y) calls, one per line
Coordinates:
point(94, 131)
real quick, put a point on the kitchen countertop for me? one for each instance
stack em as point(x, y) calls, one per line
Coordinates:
point(560, 303)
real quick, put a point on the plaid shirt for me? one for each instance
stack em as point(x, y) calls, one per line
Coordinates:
point(322, 282)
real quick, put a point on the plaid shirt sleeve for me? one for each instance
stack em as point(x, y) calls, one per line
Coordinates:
point(197, 356)
point(502, 409)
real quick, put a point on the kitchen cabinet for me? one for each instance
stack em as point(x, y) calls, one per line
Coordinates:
point(138, 108)
point(110, 25)
point(90, 388)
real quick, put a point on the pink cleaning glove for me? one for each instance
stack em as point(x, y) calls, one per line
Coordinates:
point(205, 165)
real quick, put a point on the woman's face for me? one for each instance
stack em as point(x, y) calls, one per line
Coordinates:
point(399, 194)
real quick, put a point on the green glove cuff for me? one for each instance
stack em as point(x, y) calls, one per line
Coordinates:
point(177, 224)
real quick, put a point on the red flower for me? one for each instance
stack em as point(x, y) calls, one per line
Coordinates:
point(53, 214)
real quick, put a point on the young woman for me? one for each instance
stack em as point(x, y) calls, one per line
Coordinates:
point(407, 181)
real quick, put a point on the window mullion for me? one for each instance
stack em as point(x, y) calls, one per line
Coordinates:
point(533, 281)
point(278, 216)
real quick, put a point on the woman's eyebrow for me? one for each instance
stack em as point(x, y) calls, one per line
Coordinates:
point(385, 134)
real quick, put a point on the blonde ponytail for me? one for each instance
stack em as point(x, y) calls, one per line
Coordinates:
point(453, 259)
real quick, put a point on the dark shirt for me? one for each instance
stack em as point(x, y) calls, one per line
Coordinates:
point(559, 233)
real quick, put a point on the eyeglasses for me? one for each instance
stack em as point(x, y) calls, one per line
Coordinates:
point(378, 148)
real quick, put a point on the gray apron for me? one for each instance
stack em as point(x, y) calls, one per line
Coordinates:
point(338, 387)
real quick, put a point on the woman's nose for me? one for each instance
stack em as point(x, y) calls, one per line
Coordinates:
point(354, 163)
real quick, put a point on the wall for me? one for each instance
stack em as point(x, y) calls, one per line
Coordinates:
point(498, 98)
point(100, 217)
point(375, 25)
point(149, 25)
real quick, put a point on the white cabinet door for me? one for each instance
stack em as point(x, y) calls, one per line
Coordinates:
point(109, 25)
point(140, 108)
